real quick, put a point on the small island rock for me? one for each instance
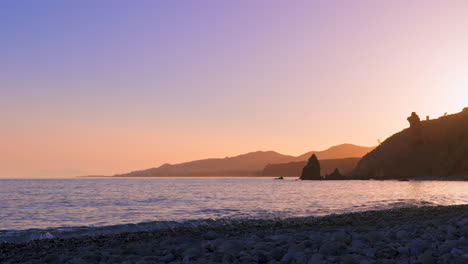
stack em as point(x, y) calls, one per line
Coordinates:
point(311, 170)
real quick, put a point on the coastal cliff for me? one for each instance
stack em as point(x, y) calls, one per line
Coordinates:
point(430, 149)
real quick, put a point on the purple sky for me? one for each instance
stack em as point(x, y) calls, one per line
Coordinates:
point(101, 87)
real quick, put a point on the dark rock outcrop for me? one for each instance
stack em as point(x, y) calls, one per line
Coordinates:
point(433, 149)
point(335, 175)
point(415, 129)
point(311, 171)
point(294, 169)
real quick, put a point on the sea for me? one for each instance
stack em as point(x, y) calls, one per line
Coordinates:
point(60, 208)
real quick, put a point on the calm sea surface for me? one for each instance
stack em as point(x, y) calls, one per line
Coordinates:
point(58, 204)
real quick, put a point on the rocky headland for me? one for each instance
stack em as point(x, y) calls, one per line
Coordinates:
point(434, 149)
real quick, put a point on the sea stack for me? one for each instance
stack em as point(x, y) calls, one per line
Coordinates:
point(335, 175)
point(311, 170)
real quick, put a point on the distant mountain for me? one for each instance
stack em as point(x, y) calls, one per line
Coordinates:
point(338, 152)
point(294, 169)
point(242, 165)
point(432, 149)
point(250, 164)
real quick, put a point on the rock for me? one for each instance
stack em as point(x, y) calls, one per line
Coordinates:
point(370, 252)
point(277, 253)
point(447, 246)
point(227, 258)
point(351, 259)
point(77, 260)
point(168, 258)
point(261, 256)
point(357, 244)
point(315, 259)
point(463, 222)
point(300, 257)
point(231, 247)
point(341, 237)
point(335, 175)
point(210, 235)
point(287, 258)
point(311, 171)
point(374, 236)
point(194, 252)
point(414, 120)
point(463, 241)
point(403, 251)
point(278, 237)
point(52, 259)
point(417, 247)
point(465, 257)
point(402, 234)
point(426, 258)
point(456, 251)
point(332, 248)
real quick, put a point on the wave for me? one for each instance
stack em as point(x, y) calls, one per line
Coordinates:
point(20, 236)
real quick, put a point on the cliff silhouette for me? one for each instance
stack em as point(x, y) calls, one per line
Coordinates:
point(431, 149)
point(250, 164)
point(311, 171)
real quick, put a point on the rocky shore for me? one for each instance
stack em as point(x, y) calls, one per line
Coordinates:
point(410, 235)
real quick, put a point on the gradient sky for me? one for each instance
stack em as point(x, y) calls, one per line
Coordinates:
point(102, 87)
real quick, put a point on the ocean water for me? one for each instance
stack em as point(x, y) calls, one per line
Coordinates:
point(47, 208)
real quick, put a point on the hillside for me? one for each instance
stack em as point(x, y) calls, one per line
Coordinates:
point(294, 169)
point(435, 148)
point(246, 164)
point(337, 152)
point(250, 164)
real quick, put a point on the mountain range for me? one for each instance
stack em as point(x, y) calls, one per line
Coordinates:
point(249, 164)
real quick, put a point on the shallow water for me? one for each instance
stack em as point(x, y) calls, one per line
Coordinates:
point(44, 203)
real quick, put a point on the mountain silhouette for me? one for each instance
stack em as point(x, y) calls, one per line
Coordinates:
point(434, 149)
point(250, 164)
point(338, 152)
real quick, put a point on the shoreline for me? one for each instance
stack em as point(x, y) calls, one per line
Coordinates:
point(448, 178)
point(416, 235)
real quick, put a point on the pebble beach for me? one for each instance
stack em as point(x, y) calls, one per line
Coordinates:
point(425, 235)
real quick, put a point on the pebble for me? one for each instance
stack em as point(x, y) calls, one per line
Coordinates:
point(429, 238)
point(210, 235)
point(333, 248)
point(277, 253)
point(168, 258)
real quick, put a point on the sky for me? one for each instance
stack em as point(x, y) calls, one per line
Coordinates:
point(103, 87)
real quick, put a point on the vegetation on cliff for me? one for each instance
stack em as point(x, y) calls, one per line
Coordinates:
point(432, 149)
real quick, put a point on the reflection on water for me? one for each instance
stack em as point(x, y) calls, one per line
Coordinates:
point(98, 202)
